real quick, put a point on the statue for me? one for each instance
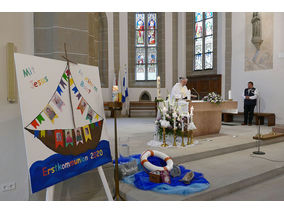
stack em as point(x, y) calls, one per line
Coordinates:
point(256, 30)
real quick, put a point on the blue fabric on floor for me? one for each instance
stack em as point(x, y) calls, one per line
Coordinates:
point(141, 179)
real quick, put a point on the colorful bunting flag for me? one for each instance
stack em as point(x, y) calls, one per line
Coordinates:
point(92, 125)
point(68, 72)
point(62, 83)
point(68, 137)
point(50, 113)
point(78, 96)
point(58, 102)
point(35, 124)
point(75, 90)
point(65, 77)
point(97, 123)
point(87, 133)
point(82, 105)
point(90, 115)
point(59, 90)
point(49, 132)
point(97, 116)
point(71, 81)
point(100, 123)
point(42, 133)
point(40, 118)
point(78, 135)
point(58, 138)
point(36, 133)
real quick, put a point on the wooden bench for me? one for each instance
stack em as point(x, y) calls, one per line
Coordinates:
point(259, 117)
point(142, 105)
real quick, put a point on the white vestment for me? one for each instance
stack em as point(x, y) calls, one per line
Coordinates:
point(180, 92)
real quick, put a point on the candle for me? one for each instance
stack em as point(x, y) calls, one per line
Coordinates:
point(189, 95)
point(230, 94)
point(158, 87)
point(182, 124)
point(164, 112)
point(187, 121)
point(191, 113)
point(175, 116)
point(191, 110)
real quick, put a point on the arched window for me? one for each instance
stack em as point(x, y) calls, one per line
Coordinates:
point(146, 34)
point(203, 41)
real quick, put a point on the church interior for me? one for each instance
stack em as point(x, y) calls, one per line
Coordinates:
point(202, 89)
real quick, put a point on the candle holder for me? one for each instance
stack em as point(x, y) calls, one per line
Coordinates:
point(182, 137)
point(164, 138)
point(175, 137)
point(188, 142)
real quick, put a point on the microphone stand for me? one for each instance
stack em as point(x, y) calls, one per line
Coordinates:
point(258, 152)
point(196, 93)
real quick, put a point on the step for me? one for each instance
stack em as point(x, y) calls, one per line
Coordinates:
point(226, 173)
point(259, 192)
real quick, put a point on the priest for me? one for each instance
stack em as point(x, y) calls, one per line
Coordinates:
point(180, 91)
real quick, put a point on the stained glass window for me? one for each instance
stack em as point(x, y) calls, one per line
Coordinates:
point(198, 16)
point(198, 29)
point(208, 60)
point(198, 62)
point(203, 44)
point(146, 47)
point(140, 53)
point(209, 26)
point(198, 46)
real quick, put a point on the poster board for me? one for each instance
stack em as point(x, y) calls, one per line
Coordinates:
point(65, 131)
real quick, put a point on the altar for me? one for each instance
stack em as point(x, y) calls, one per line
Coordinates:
point(208, 116)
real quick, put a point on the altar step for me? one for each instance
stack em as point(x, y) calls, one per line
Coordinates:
point(227, 173)
point(215, 148)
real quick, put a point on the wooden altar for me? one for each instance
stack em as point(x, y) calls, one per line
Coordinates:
point(208, 116)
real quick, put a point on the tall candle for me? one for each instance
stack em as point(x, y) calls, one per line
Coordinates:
point(164, 113)
point(182, 124)
point(191, 113)
point(158, 87)
point(191, 110)
point(230, 94)
point(175, 117)
point(187, 121)
point(189, 95)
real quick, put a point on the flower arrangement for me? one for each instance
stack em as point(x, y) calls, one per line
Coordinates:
point(170, 118)
point(214, 98)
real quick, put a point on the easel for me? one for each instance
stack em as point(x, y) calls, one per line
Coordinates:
point(50, 190)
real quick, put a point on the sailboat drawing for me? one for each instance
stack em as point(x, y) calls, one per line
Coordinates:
point(68, 141)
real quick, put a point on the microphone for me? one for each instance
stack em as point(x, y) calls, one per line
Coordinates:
point(196, 92)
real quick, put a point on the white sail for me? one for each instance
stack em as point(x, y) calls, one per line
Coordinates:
point(68, 108)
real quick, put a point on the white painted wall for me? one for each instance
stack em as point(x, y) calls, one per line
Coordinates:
point(268, 82)
point(16, 28)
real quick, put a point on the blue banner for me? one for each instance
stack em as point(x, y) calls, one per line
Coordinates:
point(57, 167)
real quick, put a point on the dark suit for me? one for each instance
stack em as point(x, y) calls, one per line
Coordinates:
point(249, 105)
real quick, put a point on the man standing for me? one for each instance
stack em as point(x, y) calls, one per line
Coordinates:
point(250, 98)
point(180, 91)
